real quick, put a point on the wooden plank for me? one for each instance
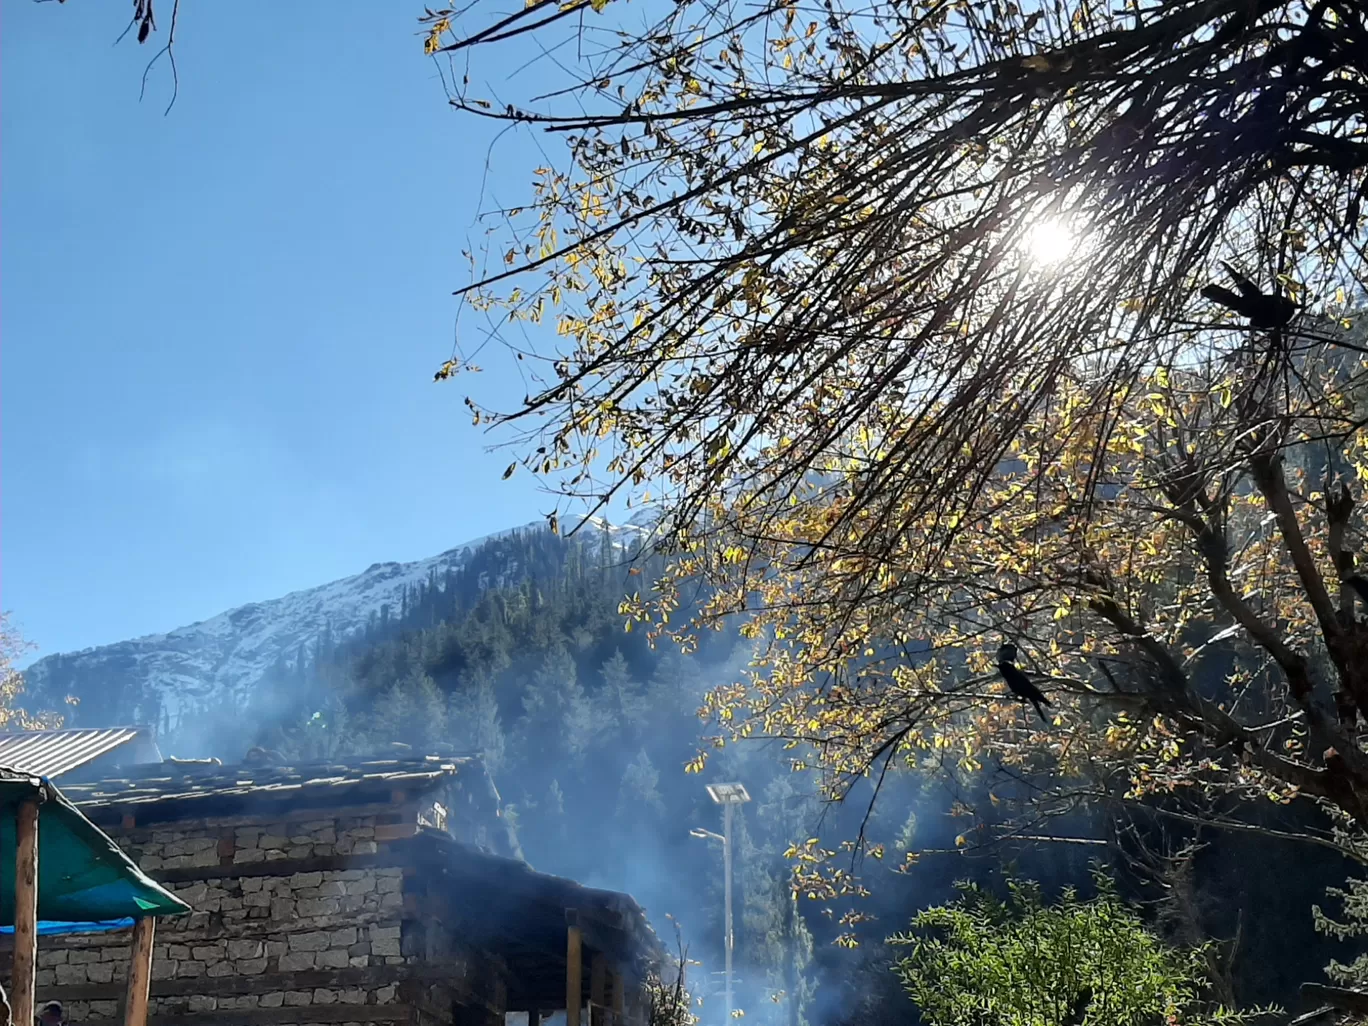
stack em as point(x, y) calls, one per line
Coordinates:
point(306, 979)
point(139, 972)
point(277, 867)
point(503, 916)
point(619, 996)
point(395, 831)
point(23, 983)
point(573, 972)
point(294, 1014)
point(148, 814)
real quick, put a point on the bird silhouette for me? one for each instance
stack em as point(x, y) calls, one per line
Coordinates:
point(1359, 584)
point(1017, 682)
point(1251, 302)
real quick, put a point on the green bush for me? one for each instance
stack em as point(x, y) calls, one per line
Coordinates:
point(982, 961)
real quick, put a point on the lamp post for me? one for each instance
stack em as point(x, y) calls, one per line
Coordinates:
point(728, 796)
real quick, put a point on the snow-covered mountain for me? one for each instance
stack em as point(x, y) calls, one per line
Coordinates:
point(209, 668)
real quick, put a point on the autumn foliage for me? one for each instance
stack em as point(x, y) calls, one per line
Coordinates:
point(894, 313)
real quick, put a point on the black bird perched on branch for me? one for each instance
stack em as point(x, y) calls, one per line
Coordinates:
point(1017, 682)
point(1359, 584)
point(1251, 302)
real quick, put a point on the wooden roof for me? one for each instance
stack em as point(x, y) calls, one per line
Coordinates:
point(168, 791)
point(523, 915)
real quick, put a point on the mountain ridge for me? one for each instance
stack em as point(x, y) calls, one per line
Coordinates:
point(167, 679)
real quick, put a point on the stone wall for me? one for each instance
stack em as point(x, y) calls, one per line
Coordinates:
point(257, 939)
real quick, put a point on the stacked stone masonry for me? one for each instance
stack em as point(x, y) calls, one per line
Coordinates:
point(251, 926)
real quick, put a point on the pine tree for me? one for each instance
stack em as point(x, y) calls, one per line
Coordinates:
point(622, 699)
point(554, 806)
point(797, 954)
point(558, 716)
point(639, 794)
point(473, 712)
point(784, 812)
point(325, 733)
point(548, 842)
point(778, 944)
point(412, 711)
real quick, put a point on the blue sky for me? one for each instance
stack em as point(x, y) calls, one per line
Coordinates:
point(218, 328)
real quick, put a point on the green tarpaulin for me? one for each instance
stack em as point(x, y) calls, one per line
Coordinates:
point(83, 876)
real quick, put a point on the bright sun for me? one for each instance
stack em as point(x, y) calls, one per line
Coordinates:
point(1049, 241)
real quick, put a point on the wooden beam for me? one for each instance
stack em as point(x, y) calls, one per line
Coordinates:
point(395, 831)
point(619, 997)
point(294, 1014)
point(235, 985)
point(598, 978)
point(23, 983)
point(384, 858)
point(573, 971)
point(187, 816)
point(1344, 998)
point(139, 972)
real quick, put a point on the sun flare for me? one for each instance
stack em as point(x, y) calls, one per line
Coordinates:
point(1049, 241)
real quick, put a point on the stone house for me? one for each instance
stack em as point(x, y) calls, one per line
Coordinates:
point(371, 891)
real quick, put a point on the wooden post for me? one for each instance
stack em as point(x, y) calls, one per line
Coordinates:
point(574, 967)
point(139, 972)
point(25, 912)
point(619, 998)
point(598, 1000)
point(598, 977)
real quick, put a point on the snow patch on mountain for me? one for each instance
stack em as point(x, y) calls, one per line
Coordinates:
point(210, 667)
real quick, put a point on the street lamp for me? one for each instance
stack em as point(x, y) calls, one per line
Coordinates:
point(728, 796)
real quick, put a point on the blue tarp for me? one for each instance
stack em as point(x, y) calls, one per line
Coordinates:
point(47, 928)
point(84, 879)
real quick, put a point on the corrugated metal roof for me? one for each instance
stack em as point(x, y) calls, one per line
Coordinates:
point(50, 753)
